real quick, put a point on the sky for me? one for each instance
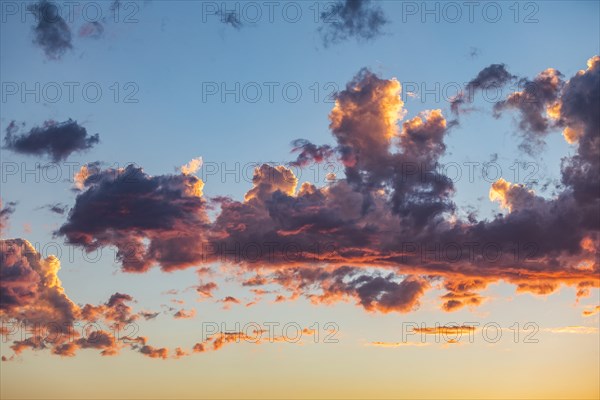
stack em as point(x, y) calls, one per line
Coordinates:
point(342, 199)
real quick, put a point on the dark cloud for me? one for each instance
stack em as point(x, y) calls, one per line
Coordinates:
point(375, 292)
point(230, 18)
point(310, 153)
point(382, 235)
point(56, 140)
point(493, 76)
point(5, 212)
point(578, 114)
point(126, 207)
point(56, 208)
point(147, 315)
point(357, 19)
point(51, 34)
point(532, 103)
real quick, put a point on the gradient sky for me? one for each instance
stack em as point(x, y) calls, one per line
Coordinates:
point(169, 53)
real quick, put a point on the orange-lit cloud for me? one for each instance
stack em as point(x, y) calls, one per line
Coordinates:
point(398, 344)
point(593, 311)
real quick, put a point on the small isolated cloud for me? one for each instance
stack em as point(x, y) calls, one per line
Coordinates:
point(493, 76)
point(185, 314)
point(445, 330)
point(230, 18)
point(577, 330)
point(398, 344)
point(593, 311)
point(53, 139)
point(148, 315)
point(357, 19)
point(51, 33)
point(56, 208)
point(205, 289)
point(5, 212)
point(93, 30)
point(228, 301)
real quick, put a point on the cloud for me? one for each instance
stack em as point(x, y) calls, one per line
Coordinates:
point(93, 30)
point(30, 288)
point(116, 310)
point(56, 140)
point(397, 344)
point(192, 167)
point(228, 301)
point(352, 19)
point(383, 234)
point(536, 104)
point(185, 314)
point(126, 207)
point(31, 294)
point(56, 208)
point(230, 18)
point(5, 212)
point(445, 330)
point(493, 76)
point(310, 153)
point(373, 292)
point(593, 311)
point(205, 290)
point(148, 315)
point(154, 352)
point(576, 330)
point(51, 34)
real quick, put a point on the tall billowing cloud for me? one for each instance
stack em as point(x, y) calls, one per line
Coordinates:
point(55, 140)
point(51, 33)
point(578, 114)
point(358, 19)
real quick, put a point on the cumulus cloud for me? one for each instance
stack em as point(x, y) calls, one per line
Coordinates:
point(31, 294)
point(352, 19)
point(55, 140)
point(126, 207)
point(30, 286)
point(192, 167)
point(381, 236)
